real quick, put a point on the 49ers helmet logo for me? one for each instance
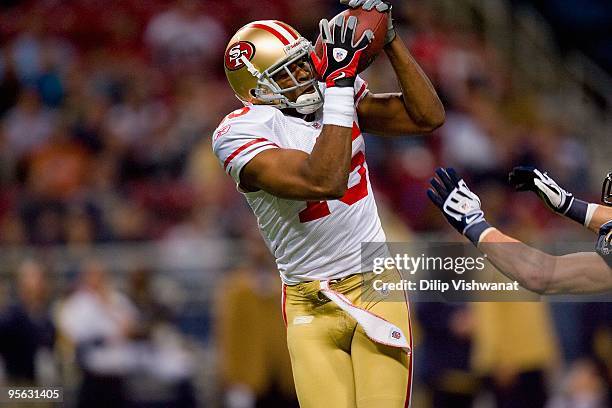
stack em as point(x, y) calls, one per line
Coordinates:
point(234, 53)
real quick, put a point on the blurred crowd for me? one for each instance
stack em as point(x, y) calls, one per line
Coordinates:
point(106, 113)
point(106, 347)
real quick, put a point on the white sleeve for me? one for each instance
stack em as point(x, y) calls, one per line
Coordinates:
point(361, 89)
point(242, 136)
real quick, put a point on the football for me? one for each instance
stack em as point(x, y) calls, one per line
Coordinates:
point(373, 20)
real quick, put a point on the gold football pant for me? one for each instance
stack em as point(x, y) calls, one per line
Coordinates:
point(334, 363)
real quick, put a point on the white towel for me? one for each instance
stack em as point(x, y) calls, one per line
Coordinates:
point(375, 327)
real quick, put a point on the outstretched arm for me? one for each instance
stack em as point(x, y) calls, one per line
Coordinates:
point(532, 268)
point(578, 273)
point(601, 215)
point(591, 215)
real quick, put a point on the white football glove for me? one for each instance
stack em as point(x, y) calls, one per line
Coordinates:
point(458, 203)
point(380, 5)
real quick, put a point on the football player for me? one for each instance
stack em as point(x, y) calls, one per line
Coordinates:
point(578, 273)
point(297, 153)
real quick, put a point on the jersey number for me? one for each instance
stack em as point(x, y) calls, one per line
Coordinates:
point(238, 112)
point(318, 209)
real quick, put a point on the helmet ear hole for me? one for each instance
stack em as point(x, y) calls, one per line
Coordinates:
point(252, 92)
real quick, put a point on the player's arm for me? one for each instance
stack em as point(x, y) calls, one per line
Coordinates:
point(322, 174)
point(601, 215)
point(294, 174)
point(417, 109)
point(591, 215)
point(532, 268)
point(578, 273)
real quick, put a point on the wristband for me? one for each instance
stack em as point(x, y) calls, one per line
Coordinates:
point(589, 215)
point(339, 106)
point(474, 232)
point(577, 211)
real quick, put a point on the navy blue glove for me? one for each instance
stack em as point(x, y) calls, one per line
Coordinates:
point(604, 242)
point(459, 205)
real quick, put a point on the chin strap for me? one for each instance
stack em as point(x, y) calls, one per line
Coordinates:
point(312, 102)
point(250, 67)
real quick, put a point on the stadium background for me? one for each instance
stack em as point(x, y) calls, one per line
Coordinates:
point(130, 268)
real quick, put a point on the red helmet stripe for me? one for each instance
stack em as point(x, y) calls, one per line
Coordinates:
point(273, 31)
point(286, 27)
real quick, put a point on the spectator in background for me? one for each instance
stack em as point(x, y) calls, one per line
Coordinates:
point(467, 139)
point(12, 231)
point(514, 347)
point(26, 48)
point(99, 321)
point(165, 363)
point(253, 354)
point(142, 293)
point(28, 125)
point(132, 123)
point(9, 83)
point(80, 229)
point(26, 330)
point(582, 387)
point(445, 354)
point(49, 82)
point(183, 38)
point(58, 168)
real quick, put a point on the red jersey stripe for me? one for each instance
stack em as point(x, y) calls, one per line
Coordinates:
point(361, 91)
point(260, 146)
point(241, 149)
point(356, 132)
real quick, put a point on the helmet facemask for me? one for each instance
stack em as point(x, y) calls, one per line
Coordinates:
point(270, 92)
point(606, 191)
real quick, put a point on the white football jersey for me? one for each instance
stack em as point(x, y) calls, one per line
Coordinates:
point(309, 240)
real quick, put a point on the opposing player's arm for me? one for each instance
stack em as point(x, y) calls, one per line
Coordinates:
point(601, 215)
point(578, 273)
point(296, 175)
point(532, 268)
point(559, 200)
point(417, 109)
